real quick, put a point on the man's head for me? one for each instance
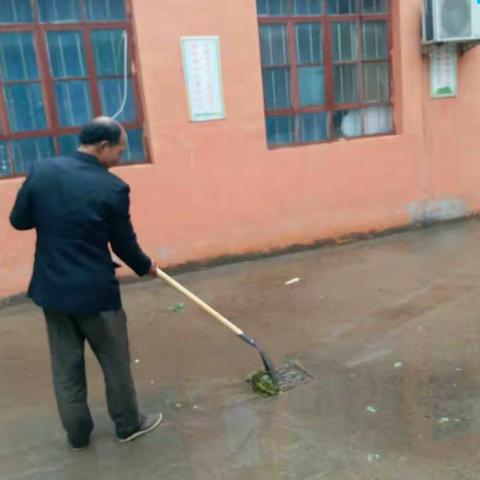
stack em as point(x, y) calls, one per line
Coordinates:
point(105, 139)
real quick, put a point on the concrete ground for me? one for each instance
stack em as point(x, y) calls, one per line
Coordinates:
point(390, 329)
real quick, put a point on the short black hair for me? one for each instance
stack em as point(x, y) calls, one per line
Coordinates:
point(100, 130)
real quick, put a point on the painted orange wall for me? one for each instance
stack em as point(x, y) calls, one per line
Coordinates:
point(215, 188)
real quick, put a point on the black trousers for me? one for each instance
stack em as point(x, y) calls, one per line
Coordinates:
point(107, 335)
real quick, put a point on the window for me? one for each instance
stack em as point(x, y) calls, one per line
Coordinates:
point(63, 62)
point(325, 69)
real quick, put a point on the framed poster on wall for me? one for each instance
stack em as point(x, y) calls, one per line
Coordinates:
point(203, 77)
point(443, 71)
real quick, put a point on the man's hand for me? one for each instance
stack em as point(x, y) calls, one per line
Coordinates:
point(153, 269)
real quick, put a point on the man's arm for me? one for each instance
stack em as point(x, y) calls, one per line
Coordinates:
point(122, 236)
point(21, 216)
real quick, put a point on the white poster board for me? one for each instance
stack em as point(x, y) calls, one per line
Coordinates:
point(443, 71)
point(203, 78)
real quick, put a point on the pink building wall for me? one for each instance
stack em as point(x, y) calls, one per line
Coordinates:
point(215, 188)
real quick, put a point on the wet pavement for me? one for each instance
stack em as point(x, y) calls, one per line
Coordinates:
point(389, 328)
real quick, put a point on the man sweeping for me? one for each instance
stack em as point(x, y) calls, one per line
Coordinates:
point(78, 208)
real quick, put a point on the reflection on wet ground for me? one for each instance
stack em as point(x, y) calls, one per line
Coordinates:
point(389, 328)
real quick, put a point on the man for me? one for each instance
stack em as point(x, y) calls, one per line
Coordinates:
point(77, 208)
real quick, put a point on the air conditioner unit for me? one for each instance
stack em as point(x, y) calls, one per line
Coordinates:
point(451, 21)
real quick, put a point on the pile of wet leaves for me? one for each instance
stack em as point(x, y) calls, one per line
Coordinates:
point(262, 382)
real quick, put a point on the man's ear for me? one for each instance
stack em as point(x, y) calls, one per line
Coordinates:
point(102, 145)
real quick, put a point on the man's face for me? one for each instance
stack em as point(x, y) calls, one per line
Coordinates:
point(109, 155)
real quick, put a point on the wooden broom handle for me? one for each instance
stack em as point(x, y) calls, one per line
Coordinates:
point(161, 274)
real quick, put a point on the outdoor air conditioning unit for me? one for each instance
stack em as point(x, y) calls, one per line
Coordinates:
point(451, 21)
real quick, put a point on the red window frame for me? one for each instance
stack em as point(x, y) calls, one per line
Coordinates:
point(326, 20)
point(47, 81)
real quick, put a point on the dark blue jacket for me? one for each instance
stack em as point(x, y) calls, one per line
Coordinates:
point(77, 208)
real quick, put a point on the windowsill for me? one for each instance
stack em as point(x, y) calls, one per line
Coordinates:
point(18, 176)
point(134, 164)
point(334, 142)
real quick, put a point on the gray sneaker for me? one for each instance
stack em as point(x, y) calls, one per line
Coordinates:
point(148, 423)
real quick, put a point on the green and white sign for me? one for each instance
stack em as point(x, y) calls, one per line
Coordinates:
point(203, 78)
point(443, 71)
